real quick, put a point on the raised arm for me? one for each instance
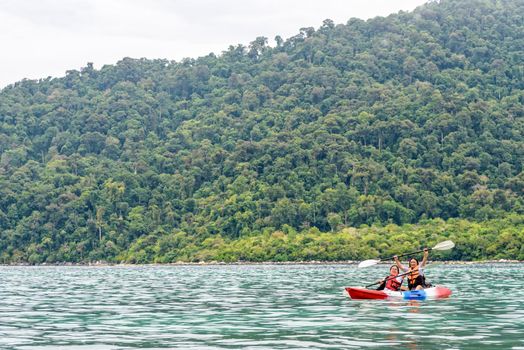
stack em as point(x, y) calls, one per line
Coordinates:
point(425, 258)
point(399, 265)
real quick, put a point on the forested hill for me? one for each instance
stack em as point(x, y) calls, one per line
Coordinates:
point(393, 120)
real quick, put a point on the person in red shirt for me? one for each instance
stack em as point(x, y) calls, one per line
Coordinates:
point(393, 281)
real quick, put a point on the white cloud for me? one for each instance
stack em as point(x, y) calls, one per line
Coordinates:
point(43, 38)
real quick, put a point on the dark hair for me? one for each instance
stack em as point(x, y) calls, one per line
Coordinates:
point(413, 259)
point(392, 266)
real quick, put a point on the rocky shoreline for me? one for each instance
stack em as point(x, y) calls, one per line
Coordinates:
point(218, 263)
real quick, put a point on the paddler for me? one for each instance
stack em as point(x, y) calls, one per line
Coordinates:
point(416, 280)
point(393, 281)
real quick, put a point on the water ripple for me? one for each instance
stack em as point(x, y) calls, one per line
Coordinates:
point(253, 307)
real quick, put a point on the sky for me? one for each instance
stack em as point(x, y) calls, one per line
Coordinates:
point(41, 38)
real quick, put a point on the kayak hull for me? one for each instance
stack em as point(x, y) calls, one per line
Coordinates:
point(424, 294)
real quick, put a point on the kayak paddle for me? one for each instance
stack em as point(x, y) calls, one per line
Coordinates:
point(446, 245)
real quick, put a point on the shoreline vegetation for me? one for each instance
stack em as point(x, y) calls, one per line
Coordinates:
point(486, 241)
point(491, 240)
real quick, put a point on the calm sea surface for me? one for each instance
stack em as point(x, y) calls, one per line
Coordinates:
point(254, 307)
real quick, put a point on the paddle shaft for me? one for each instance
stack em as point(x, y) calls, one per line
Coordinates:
point(399, 256)
point(391, 278)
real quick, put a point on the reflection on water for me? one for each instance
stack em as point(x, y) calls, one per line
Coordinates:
point(254, 307)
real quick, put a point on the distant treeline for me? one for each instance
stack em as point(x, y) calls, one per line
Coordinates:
point(492, 239)
point(402, 124)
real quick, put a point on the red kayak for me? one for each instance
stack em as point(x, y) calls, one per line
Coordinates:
point(423, 294)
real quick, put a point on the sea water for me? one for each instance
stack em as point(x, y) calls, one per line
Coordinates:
point(254, 307)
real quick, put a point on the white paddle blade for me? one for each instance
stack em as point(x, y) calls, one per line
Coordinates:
point(367, 263)
point(446, 245)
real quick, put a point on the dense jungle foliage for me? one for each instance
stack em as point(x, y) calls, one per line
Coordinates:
point(406, 126)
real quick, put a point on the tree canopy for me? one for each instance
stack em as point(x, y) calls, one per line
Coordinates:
point(391, 121)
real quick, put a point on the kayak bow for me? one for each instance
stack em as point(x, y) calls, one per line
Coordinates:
point(423, 294)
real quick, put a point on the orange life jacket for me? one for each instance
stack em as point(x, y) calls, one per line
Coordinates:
point(413, 277)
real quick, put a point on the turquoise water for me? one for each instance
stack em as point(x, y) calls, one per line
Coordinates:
point(254, 307)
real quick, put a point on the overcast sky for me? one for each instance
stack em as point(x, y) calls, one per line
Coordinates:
point(41, 38)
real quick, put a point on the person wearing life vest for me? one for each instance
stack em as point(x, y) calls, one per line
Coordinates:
point(393, 281)
point(415, 276)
